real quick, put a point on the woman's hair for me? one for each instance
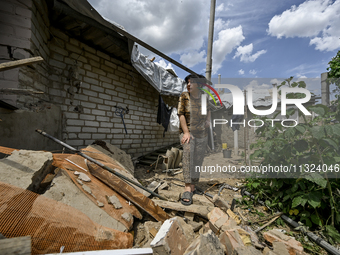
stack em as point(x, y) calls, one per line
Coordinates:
point(195, 76)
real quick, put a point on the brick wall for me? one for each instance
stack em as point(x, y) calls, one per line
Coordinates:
point(15, 33)
point(87, 84)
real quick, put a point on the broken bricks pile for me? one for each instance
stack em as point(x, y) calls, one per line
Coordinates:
point(222, 234)
point(84, 207)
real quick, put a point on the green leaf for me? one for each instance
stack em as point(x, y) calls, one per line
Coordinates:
point(314, 199)
point(289, 133)
point(300, 128)
point(290, 111)
point(305, 214)
point(329, 129)
point(285, 198)
point(336, 129)
point(319, 109)
point(316, 220)
point(302, 84)
point(301, 145)
point(333, 233)
point(294, 188)
point(331, 143)
point(308, 223)
point(317, 178)
point(318, 132)
point(299, 201)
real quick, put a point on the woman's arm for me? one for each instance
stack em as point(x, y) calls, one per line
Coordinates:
point(186, 136)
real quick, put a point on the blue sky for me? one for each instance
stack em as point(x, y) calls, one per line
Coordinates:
point(252, 38)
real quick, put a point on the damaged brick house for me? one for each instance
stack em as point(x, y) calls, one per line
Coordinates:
point(86, 73)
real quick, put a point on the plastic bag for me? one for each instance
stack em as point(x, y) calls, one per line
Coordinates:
point(174, 121)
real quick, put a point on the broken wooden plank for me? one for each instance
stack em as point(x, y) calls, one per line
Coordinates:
point(12, 91)
point(18, 63)
point(127, 191)
point(16, 245)
point(197, 209)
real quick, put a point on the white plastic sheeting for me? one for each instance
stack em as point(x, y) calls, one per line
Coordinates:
point(162, 80)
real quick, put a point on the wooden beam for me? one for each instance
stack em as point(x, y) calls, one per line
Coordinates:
point(16, 245)
point(18, 63)
point(12, 91)
point(197, 209)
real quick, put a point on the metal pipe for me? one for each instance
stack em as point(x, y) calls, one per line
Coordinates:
point(98, 163)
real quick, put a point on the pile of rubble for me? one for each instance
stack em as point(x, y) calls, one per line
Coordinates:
point(62, 200)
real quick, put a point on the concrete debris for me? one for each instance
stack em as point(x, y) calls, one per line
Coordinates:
point(82, 176)
point(26, 169)
point(127, 216)
point(187, 229)
point(114, 152)
point(100, 204)
point(189, 215)
point(247, 251)
point(196, 226)
point(113, 200)
point(293, 246)
point(88, 190)
point(80, 182)
point(280, 248)
point(207, 243)
point(231, 241)
point(267, 251)
point(65, 191)
point(170, 239)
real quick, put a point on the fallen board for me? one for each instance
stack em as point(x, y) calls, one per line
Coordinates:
point(198, 209)
point(127, 191)
point(18, 63)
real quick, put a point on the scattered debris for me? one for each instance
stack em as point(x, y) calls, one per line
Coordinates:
point(293, 246)
point(170, 239)
point(52, 224)
point(65, 191)
point(82, 176)
point(127, 216)
point(207, 243)
point(26, 169)
point(113, 200)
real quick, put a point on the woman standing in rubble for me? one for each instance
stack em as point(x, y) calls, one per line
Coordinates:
point(193, 134)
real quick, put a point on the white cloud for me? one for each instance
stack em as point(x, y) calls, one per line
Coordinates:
point(169, 26)
point(193, 58)
point(327, 43)
point(253, 72)
point(220, 24)
point(220, 8)
point(316, 19)
point(244, 52)
point(241, 72)
point(163, 64)
point(227, 40)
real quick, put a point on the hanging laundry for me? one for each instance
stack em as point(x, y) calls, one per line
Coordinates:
point(163, 115)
